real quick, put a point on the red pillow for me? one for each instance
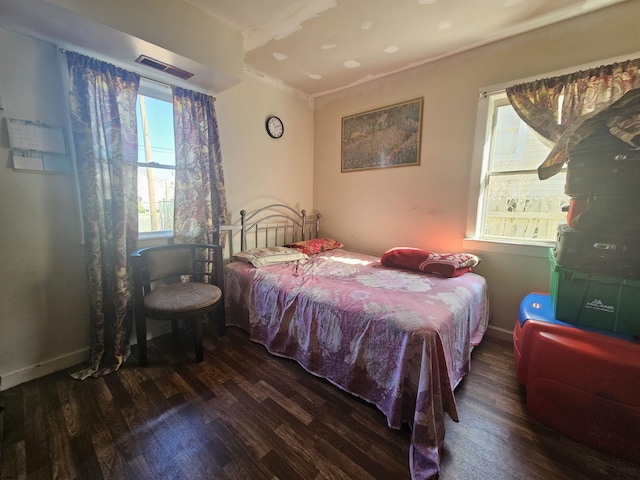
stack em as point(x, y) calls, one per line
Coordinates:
point(445, 264)
point(316, 245)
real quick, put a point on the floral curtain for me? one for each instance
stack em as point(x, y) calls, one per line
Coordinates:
point(102, 100)
point(584, 94)
point(200, 199)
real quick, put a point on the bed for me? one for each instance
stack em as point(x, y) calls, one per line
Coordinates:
point(398, 339)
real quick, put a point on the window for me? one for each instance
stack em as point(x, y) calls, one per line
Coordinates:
point(514, 206)
point(156, 158)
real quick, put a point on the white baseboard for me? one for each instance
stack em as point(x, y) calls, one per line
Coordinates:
point(498, 332)
point(31, 372)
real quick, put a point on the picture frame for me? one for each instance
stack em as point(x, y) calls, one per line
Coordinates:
point(383, 138)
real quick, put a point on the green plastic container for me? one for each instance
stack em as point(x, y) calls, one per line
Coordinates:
point(596, 301)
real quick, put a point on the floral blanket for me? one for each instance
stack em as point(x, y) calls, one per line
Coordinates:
point(398, 339)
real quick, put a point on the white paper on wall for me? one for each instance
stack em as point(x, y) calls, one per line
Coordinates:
point(28, 135)
point(38, 147)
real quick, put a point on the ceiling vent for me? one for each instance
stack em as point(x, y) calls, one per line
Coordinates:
point(164, 67)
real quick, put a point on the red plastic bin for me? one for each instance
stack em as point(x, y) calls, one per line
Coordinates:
point(584, 384)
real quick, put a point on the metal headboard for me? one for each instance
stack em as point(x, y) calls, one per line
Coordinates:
point(273, 225)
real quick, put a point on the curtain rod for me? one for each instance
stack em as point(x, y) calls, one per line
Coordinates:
point(567, 71)
point(485, 94)
point(62, 50)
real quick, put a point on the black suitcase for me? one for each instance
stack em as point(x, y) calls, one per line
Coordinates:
point(605, 213)
point(603, 165)
point(601, 253)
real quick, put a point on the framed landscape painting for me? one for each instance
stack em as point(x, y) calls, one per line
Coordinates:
point(382, 138)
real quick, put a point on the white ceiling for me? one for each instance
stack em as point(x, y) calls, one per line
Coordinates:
point(318, 46)
point(313, 46)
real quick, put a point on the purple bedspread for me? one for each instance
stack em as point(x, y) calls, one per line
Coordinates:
point(398, 339)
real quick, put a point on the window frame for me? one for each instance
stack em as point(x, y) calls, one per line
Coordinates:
point(489, 101)
point(159, 91)
point(471, 241)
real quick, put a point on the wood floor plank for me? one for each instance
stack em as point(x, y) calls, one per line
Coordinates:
point(285, 400)
point(202, 440)
point(85, 457)
point(302, 447)
point(249, 427)
point(138, 468)
point(112, 464)
point(14, 460)
point(351, 446)
point(69, 408)
point(37, 442)
point(212, 376)
point(62, 464)
point(228, 365)
point(119, 393)
point(119, 430)
point(281, 467)
point(161, 375)
point(342, 460)
point(185, 371)
point(238, 471)
point(245, 458)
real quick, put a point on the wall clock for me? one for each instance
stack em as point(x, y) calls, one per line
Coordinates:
point(275, 127)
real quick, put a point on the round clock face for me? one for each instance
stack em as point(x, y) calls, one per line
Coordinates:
point(275, 127)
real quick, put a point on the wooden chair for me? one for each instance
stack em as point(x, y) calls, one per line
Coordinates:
point(177, 282)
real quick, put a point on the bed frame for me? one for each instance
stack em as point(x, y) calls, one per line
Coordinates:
point(273, 225)
point(398, 377)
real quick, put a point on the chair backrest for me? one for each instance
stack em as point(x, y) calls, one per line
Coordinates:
point(162, 265)
point(157, 266)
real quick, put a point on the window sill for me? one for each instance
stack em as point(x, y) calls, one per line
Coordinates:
point(158, 234)
point(511, 248)
point(151, 239)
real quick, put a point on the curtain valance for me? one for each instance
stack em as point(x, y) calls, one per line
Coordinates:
point(557, 107)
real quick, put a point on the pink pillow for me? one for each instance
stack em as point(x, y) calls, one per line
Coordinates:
point(445, 264)
point(316, 245)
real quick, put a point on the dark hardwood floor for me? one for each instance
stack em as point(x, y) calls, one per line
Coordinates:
point(243, 414)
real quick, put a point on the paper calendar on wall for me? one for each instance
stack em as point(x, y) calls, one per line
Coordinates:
point(38, 146)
